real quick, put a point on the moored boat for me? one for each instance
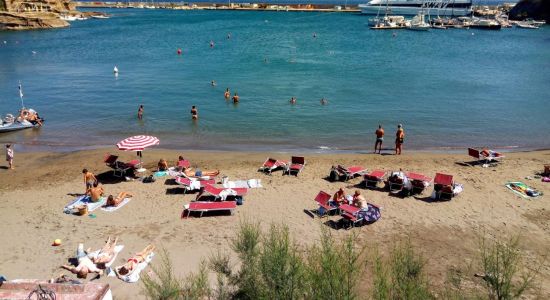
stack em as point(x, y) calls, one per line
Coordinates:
point(487, 24)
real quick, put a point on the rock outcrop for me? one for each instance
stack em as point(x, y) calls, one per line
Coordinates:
point(535, 9)
point(35, 14)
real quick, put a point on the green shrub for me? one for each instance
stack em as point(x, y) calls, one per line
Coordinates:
point(162, 284)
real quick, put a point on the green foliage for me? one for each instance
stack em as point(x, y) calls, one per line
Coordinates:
point(162, 285)
point(502, 267)
point(400, 276)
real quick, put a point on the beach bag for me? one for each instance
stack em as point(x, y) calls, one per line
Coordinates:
point(239, 200)
point(82, 210)
point(149, 179)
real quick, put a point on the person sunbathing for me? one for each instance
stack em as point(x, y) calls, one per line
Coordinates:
point(162, 165)
point(339, 197)
point(115, 201)
point(95, 192)
point(85, 266)
point(106, 253)
point(190, 172)
point(133, 262)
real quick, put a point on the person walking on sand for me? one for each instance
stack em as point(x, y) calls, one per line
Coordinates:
point(140, 112)
point(399, 139)
point(379, 139)
point(89, 179)
point(227, 94)
point(9, 156)
point(235, 98)
point(194, 113)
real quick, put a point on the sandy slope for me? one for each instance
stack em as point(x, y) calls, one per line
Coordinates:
point(32, 198)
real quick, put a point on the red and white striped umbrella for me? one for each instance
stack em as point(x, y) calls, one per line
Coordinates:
point(137, 143)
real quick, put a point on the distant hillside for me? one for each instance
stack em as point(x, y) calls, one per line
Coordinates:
point(536, 9)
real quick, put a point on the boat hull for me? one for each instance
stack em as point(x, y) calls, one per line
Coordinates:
point(14, 127)
point(410, 11)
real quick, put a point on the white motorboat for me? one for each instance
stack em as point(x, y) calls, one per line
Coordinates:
point(100, 17)
point(388, 22)
point(10, 123)
point(418, 23)
point(68, 18)
point(526, 25)
point(413, 7)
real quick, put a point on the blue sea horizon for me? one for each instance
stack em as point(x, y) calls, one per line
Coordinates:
point(450, 88)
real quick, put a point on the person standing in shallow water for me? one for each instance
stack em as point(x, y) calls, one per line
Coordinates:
point(227, 94)
point(235, 98)
point(9, 156)
point(379, 139)
point(194, 113)
point(399, 139)
point(140, 112)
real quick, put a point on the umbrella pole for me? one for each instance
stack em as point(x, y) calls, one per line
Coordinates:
point(141, 168)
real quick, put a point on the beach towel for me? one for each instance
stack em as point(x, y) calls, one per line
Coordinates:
point(371, 214)
point(249, 184)
point(174, 172)
point(523, 190)
point(134, 276)
point(113, 208)
point(71, 207)
point(160, 173)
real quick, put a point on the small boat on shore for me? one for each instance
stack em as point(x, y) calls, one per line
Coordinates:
point(10, 123)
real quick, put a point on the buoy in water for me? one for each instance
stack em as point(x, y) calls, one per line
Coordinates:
point(179, 51)
point(115, 70)
point(56, 242)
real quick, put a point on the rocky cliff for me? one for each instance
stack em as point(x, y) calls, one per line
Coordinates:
point(536, 9)
point(34, 14)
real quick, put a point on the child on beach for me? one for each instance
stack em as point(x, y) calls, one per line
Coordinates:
point(89, 179)
point(140, 112)
point(9, 156)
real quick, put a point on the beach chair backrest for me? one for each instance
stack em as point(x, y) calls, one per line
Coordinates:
point(212, 190)
point(270, 162)
point(300, 160)
point(443, 179)
point(322, 197)
point(110, 159)
point(473, 152)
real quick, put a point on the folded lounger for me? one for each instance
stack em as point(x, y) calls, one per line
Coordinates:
point(396, 184)
point(354, 215)
point(222, 193)
point(110, 160)
point(297, 164)
point(193, 185)
point(323, 200)
point(203, 207)
point(272, 164)
point(419, 182)
point(443, 186)
point(485, 155)
point(346, 173)
point(373, 178)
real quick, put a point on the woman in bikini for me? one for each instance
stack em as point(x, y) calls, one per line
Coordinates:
point(132, 263)
point(112, 201)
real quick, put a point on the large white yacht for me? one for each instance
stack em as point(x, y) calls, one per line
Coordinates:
point(413, 7)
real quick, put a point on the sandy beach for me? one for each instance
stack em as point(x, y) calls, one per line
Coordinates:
point(33, 195)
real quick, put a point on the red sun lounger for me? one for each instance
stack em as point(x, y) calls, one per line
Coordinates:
point(110, 160)
point(272, 164)
point(193, 185)
point(297, 164)
point(443, 186)
point(203, 207)
point(352, 214)
point(222, 193)
point(323, 200)
point(485, 155)
point(373, 178)
point(419, 182)
point(120, 168)
point(346, 173)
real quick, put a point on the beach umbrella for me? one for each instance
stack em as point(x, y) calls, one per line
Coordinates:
point(137, 143)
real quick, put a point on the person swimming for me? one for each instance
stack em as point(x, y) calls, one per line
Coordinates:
point(227, 93)
point(194, 113)
point(213, 83)
point(140, 112)
point(235, 98)
point(293, 100)
point(211, 44)
point(324, 101)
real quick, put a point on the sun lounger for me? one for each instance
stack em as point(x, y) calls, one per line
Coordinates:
point(419, 182)
point(272, 164)
point(485, 155)
point(373, 178)
point(297, 164)
point(203, 207)
point(323, 200)
point(121, 168)
point(221, 193)
point(346, 173)
point(354, 215)
point(193, 185)
point(443, 186)
point(110, 160)
point(396, 183)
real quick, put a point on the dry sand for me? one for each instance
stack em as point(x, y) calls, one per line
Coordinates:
point(32, 198)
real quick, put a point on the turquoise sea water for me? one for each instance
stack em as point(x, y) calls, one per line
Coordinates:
point(449, 88)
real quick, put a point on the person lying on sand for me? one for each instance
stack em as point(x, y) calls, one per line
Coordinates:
point(132, 263)
point(95, 192)
point(115, 201)
point(106, 253)
point(190, 172)
point(85, 266)
point(162, 165)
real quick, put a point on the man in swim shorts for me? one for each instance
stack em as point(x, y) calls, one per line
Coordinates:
point(399, 139)
point(89, 179)
point(379, 139)
point(235, 98)
point(194, 113)
point(95, 192)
